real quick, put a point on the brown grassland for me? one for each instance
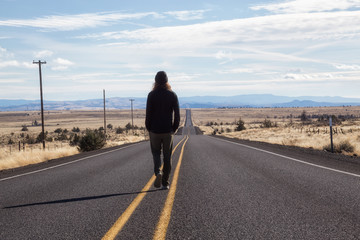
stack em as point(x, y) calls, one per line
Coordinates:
point(57, 144)
point(289, 129)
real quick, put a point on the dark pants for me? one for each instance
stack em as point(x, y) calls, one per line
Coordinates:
point(164, 142)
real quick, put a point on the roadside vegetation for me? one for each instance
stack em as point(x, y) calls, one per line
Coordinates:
point(308, 128)
point(66, 133)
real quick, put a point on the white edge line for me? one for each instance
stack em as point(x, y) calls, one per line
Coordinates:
point(63, 164)
point(290, 158)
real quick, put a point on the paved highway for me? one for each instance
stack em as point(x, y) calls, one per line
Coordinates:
point(220, 189)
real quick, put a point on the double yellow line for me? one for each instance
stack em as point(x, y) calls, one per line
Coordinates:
point(160, 231)
point(161, 228)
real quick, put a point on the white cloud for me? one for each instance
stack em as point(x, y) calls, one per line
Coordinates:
point(337, 77)
point(223, 55)
point(61, 64)
point(62, 61)
point(347, 67)
point(12, 63)
point(44, 53)
point(5, 53)
point(74, 22)
point(187, 15)
point(302, 6)
point(230, 33)
point(29, 65)
point(239, 70)
point(12, 80)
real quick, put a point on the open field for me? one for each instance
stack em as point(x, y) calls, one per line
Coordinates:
point(19, 148)
point(290, 129)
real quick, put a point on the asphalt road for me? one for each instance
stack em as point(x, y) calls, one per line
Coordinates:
point(220, 189)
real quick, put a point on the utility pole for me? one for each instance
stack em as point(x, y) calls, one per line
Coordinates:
point(42, 103)
point(132, 115)
point(104, 115)
point(331, 135)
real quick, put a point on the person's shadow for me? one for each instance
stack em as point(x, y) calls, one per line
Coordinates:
point(80, 199)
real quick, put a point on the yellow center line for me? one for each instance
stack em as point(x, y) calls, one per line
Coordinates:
point(161, 228)
point(119, 224)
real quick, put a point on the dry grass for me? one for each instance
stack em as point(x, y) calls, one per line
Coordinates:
point(19, 159)
point(295, 134)
point(292, 137)
point(34, 154)
point(11, 124)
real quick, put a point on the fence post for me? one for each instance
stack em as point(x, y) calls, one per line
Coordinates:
point(19, 146)
point(331, 135)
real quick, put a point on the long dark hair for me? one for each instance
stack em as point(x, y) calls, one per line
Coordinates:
point(161, 81)
point(165, 86)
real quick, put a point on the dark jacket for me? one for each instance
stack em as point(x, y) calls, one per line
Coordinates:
point(160, 107)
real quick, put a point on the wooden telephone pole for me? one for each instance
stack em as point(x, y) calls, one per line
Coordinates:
point(104, 115)
point(132, 115)
point(42, 103)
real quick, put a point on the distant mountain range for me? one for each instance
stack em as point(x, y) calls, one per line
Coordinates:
point(251, 100)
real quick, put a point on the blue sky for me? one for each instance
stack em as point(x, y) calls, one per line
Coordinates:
point(223, 48)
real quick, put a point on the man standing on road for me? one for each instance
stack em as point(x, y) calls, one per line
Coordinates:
point(162, 104)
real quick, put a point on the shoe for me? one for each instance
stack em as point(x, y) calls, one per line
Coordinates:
point(157, 182)
point(165, 187)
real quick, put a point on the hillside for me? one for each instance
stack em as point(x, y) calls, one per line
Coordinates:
point(251, 100)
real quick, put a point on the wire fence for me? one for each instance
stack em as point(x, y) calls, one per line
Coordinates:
point(8, 149)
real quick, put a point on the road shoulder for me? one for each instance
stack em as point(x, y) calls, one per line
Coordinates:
point(332, 160)
point(57, 161)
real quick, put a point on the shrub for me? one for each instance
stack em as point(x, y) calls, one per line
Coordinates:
point(119, 130)
point(58, 130)
point(11, 141)
point(304, 117)
point(268, 124)
point(92, 140)
point(109, 126)
point(40, 138)
point(344, 146)
point(75, 140)
point(240, 125)
point(215, 131)
point(75, 129)
point(323, 120)
point(62, 137)
point(128, 126)
point(29, 139)
point(24, 128)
